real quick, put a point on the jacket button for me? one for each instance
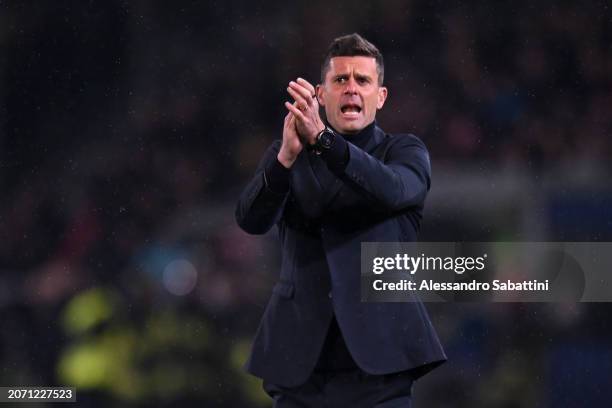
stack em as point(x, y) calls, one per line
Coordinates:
point(329, 295)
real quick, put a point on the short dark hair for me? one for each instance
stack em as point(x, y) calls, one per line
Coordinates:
point(352, 45)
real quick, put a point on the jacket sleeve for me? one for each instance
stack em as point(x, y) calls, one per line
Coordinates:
point(402, 180)
point(262, 201)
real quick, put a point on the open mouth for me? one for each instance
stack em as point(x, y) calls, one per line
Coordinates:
point(350, 109)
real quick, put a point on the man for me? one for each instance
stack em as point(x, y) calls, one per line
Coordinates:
point(328, 186)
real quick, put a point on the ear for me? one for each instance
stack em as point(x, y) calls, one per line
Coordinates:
point(320, 95)
point(382, 97)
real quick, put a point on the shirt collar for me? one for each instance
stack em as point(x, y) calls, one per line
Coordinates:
point(361, 138)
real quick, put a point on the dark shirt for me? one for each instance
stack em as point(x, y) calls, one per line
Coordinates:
point(335, 355)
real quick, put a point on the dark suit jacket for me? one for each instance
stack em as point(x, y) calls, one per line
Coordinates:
point(330, 205)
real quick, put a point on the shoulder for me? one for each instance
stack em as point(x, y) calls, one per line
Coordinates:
point(405, 140)
point(406, 148)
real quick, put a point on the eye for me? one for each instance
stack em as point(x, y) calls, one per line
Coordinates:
point(341, 79)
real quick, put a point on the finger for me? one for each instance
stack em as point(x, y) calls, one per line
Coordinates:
point(296, 112)
point(305, 93)
point(291, 121)
point(301, 101)
point(303, 90)
point(307, 85)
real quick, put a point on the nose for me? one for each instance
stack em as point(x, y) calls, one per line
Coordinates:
point(351, 86)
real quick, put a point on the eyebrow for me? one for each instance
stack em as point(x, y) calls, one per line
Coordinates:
point(357, 76)
point(363, 76)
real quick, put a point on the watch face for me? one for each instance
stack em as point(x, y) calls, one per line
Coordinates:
point(327, 139)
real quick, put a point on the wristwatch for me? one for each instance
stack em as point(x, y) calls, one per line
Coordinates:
point(325, 140)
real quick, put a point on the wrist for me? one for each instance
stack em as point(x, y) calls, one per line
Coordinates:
point(286, 159)
point(315, 139)
point(324, 141)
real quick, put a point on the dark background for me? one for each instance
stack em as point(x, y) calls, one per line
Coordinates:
point(129, 129)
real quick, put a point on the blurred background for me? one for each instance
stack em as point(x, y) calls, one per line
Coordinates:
point(130, 128)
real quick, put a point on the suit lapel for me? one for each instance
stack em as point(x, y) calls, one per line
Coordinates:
point(307, 187)
point(371, 145)
point(315, 186)
point(374, 141)
point(330, 183)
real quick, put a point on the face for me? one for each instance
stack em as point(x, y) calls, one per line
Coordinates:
point(351, 94)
